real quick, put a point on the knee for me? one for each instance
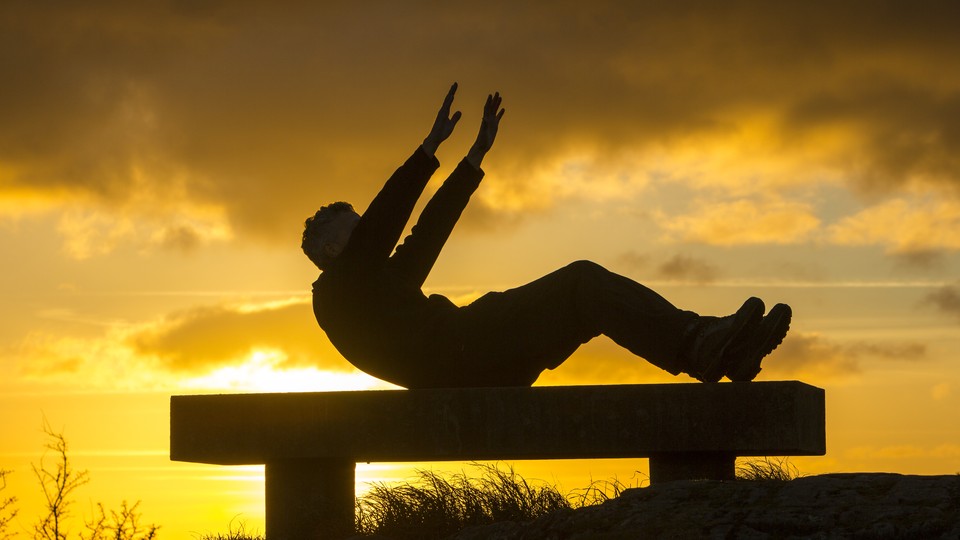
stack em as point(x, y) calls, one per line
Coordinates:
point(585, 267)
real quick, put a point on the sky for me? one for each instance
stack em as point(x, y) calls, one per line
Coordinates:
point(158, 159)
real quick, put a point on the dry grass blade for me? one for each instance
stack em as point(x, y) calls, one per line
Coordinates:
point(775, 469)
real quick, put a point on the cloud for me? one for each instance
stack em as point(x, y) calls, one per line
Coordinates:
point(678, 267)
point(901, 131)
point(743, 222)
point(215, 336)
point(633, 262)
point(89, 232)
point(813, 356)
point(946, 299)
point(922, 260)
point(267, 111)
point(687, 268)
point(913, 227)
point(230, 345)
point(810, 356)
point(100, 361)
point(583, 172)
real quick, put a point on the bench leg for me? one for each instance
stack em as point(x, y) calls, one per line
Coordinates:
point(310, 499)
point(692, 466)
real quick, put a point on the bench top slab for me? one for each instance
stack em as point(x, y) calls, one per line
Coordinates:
point(611, 421)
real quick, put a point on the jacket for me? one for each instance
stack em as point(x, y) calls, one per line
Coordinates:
point(369, 301)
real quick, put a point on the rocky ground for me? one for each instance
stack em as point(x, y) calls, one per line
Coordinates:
point(856, 505)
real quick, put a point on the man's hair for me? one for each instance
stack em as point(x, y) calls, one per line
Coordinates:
point(315, 231)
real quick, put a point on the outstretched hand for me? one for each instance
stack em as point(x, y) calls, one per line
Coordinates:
point(443, 125)
point(492, 113)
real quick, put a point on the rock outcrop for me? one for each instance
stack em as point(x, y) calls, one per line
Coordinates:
point(856, 505)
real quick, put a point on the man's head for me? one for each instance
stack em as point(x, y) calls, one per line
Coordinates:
point(327, 232)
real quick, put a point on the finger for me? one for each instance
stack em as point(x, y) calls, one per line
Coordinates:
point(447, 101)
point(454, 119)
point(500, 114)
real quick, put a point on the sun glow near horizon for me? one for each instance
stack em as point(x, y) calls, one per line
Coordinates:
point(262, 371)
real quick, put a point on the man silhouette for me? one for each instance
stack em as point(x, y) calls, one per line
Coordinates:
point(371, 306)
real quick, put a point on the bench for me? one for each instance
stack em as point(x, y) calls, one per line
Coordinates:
point(310, 442)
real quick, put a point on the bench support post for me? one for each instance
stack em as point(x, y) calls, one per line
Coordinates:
point(692, 465)
point(310, 499)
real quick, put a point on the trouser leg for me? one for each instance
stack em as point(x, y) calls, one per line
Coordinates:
point(540, 324)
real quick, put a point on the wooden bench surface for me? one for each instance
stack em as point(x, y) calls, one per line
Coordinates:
point(741, 419)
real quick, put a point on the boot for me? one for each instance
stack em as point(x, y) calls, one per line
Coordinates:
point(710, 337)
point(744, 356)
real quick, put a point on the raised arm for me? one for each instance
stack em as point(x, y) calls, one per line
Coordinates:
point(443, 125)
point(492, 113)
point(419, 251)
point(383, 222)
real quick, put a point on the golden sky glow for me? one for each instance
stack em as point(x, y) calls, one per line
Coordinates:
point(157, 162)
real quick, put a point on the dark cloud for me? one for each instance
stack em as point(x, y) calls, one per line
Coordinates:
point(946, 299)
point(810, 355)
point(678, 267)
point(813, 356)
point(908, 130)
point(271, 109)
point(211, 337)
point(687, 268)
point(633, 263)
point(901, 352)
point(920, 259)
point(180, 237)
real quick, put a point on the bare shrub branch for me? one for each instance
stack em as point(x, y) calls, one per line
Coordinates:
point(58, 482)
point(8, 510)
point(122, 525)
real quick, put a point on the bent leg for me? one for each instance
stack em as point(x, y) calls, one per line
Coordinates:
point(537, 326)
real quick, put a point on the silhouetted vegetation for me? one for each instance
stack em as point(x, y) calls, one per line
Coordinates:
point(238, 533)
point(599, 491)
point(58, 482)
point(437, 506)
point(8, 510)
point(777, 469)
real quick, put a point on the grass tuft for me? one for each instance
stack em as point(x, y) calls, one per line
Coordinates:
point(232, 536)
point(600, 491)
point(437, 506)
point(768, 469)
point(238, 533)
